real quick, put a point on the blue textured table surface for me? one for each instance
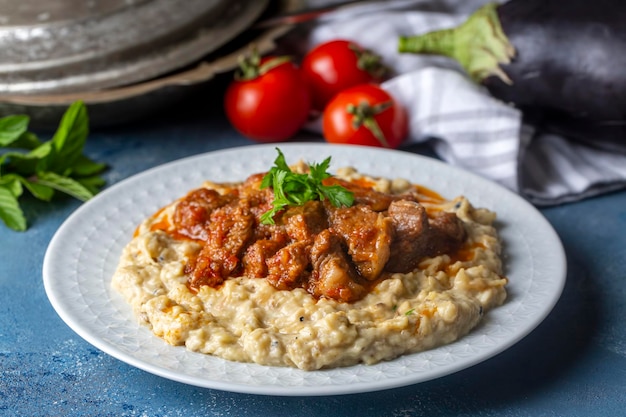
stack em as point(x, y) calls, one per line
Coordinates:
point(573, 364)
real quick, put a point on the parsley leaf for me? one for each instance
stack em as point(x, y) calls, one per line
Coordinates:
point(43, 168)
point(294, 189)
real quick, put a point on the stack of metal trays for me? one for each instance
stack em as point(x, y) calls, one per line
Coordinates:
point(123, 58)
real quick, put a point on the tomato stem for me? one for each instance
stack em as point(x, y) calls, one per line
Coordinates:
point(364, 115)
point(250, 66)
point(369, 61)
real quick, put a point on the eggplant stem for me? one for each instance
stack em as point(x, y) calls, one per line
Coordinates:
point(440, 42)
point(479, 44)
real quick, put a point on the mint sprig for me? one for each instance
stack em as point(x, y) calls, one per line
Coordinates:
point(44, 168)
point(294, 189)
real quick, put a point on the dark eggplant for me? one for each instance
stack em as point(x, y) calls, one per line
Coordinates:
point(563, 63)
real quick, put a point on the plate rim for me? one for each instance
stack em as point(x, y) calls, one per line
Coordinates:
point(51, 262)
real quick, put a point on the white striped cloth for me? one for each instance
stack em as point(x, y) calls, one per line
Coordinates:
point(464, 124)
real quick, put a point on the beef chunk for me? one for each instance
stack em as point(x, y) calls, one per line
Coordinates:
point(447, 229)
point(376, 200)
point(302, 223)
point(367, 235)
point(258, 253)
point(287, 269)
point(333, 274)
point(230, 229)
point(260, 200)
point(191, 216)
point(417, 237)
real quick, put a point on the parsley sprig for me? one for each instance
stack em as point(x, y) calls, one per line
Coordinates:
point(294, 189)
point(43, 168)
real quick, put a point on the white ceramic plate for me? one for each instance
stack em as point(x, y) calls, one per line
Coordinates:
point(83, 255)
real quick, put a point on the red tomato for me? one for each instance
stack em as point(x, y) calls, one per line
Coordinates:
point(270, 101)
point(336, 65)
point(365, 115)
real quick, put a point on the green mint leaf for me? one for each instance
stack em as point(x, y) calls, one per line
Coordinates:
point(41, 151)
point(92, 183)
point(68, 141)
point(12, 182)
point(12, 128)
point(45, 167)
point(25, 163)
point(40, 191)
point(28, 141)
point(10, 211)
point(64, 184)
point(85, 167)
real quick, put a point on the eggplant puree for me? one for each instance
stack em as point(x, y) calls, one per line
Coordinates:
point(400, 271)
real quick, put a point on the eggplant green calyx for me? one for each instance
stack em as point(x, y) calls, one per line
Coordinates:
point(251, 65)
point(479, 44)
point(364, 114)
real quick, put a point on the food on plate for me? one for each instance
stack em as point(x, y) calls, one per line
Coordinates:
point(268, 101)
point(365, 115)
point(562, 65)
point(333, 66)
point(390, 270)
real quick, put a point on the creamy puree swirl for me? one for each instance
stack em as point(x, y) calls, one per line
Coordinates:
point(247, 319)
